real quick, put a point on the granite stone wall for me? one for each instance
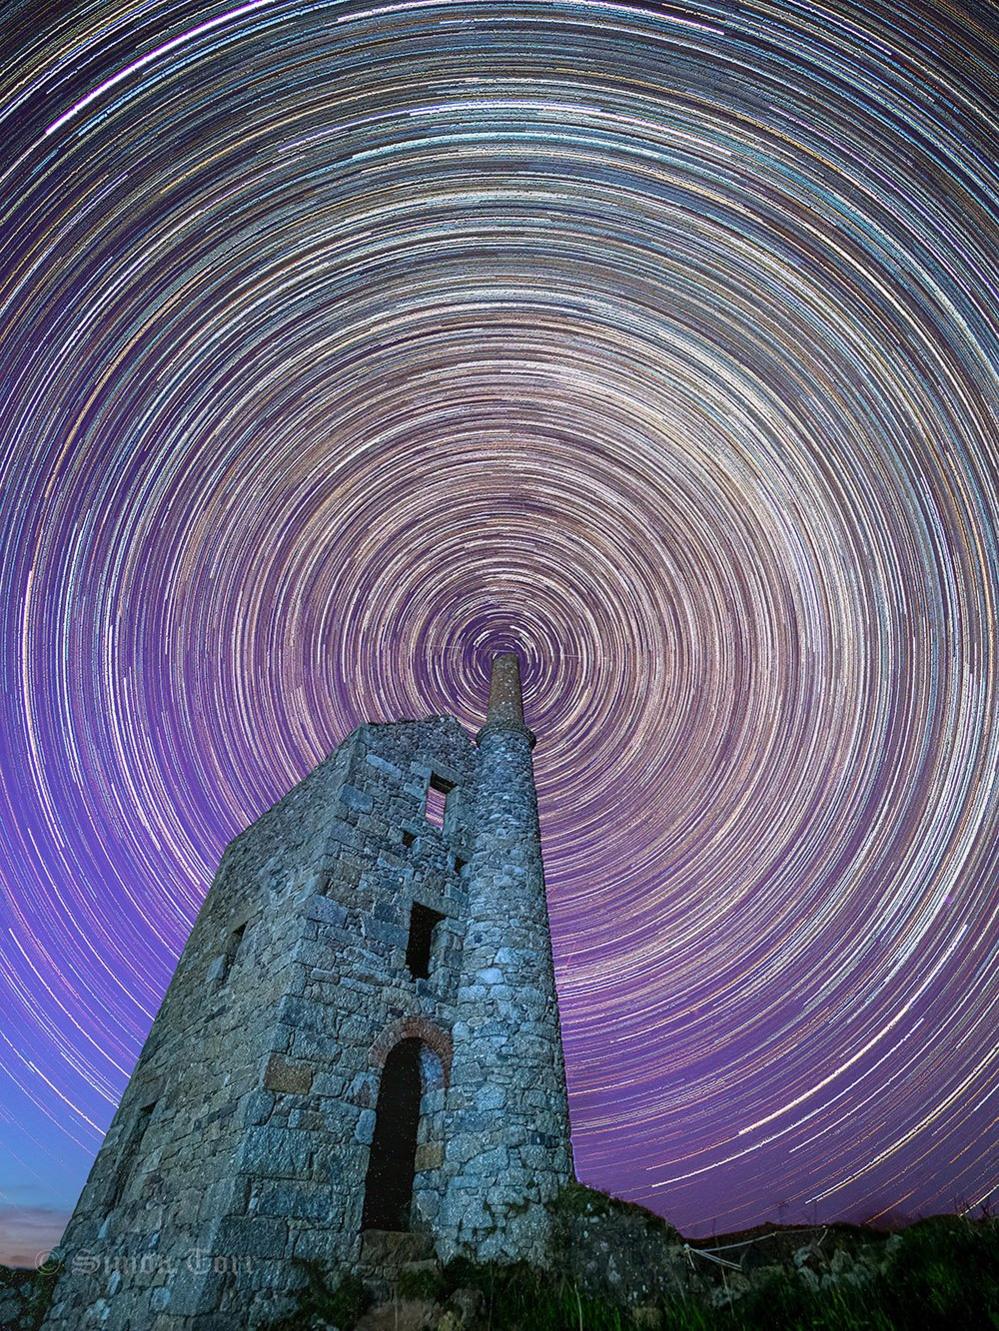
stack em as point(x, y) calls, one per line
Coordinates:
point(243, 1139)
point(148, 1220)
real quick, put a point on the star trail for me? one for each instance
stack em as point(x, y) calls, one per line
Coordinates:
point(342, 344)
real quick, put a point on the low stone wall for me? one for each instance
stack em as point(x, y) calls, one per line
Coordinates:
point(611, 1248)
point(616, 1250)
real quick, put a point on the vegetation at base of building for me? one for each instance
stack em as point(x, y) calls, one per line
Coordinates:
point(522, 1297)
point(937, 1275)
point(25, 1295)
point(943, 1275)
point(321, 1303)
point(430, 1285)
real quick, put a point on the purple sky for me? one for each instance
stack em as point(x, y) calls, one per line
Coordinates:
point(340, 344)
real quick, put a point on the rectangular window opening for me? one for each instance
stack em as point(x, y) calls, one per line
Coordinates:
point(128, 1155)
point(437, 793)
point(459, 864)
point(232, 946)
point(408, 839)
point(422, 923)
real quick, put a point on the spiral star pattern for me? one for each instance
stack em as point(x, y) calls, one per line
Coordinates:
point(343, 344)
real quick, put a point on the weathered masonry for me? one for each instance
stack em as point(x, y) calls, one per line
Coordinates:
point(361, 1037)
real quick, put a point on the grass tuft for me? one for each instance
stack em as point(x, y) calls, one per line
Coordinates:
point(341, 1306)
point(426, 1285)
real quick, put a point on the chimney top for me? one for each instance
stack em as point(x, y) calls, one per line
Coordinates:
point(506, 706)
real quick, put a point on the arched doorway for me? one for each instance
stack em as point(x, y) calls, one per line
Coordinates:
point(388, 1188)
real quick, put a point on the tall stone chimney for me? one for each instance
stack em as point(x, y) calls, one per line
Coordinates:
point(507, 1153)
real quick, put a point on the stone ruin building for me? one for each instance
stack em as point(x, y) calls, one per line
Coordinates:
point(358, 1059)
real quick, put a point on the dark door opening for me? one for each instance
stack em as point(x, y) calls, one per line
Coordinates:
point(388, 1188)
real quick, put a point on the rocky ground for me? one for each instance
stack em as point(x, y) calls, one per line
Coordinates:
point(24, 1296)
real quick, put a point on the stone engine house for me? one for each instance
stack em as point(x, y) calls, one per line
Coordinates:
point(361, 1039)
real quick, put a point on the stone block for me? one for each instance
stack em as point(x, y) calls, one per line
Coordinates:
point(303, 1201)
point(329, 1085)
point(393, 934)
point(429, 1156)
point(340, 834)
point(282, 1074)
point(364, 1129)
point(354, 798)
point(324, 910)
point(303, 1014)
point(275, 1152)
point(259, 1236)
point(216, 970)
point(193, 1292)
point(364, 1089)
point(381, 765)
point(490, 1097)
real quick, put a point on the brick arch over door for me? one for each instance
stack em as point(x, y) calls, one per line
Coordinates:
point(412, 1058)
point(414, 1028)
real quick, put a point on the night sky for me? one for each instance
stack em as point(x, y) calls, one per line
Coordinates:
point(342, 344)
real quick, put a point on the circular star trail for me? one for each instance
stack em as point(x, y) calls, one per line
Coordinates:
point(344, 344)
